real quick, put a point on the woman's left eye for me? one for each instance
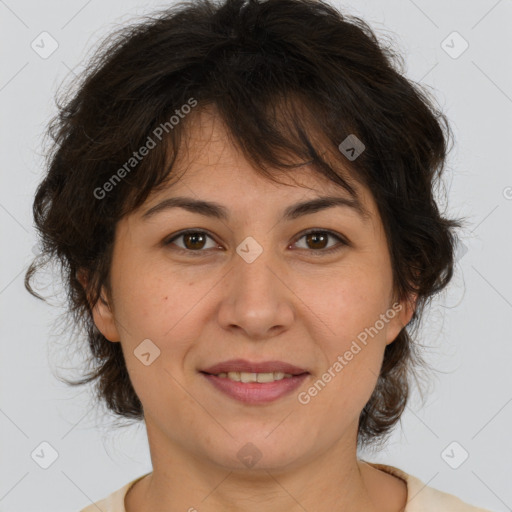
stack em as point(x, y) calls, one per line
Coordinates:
point(194, 241)
point(318, 237)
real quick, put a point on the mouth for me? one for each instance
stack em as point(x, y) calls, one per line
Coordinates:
point(254, 383)
point(246, 377)
point(243, 366)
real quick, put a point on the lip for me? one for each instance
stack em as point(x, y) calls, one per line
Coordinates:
point(256, 392)
point(242, 365)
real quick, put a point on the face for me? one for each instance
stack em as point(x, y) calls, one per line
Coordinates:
point(254, 286)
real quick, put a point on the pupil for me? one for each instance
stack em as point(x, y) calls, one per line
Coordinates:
point(314, 237)
point(194, 237)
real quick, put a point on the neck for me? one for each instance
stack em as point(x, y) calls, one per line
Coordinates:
point(346, 486)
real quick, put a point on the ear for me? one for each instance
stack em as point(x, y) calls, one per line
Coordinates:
point(102, 313)
point(403, 312)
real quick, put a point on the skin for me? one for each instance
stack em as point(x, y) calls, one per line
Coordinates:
point(291, 304)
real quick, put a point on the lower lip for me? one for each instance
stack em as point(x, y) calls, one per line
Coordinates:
point(256, 392)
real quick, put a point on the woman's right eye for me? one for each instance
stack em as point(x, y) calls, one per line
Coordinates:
point(193, 241)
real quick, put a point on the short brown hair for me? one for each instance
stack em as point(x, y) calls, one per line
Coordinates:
point(247, 58)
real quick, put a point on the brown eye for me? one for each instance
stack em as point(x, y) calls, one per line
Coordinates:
point(193, 241)
point(317, 241)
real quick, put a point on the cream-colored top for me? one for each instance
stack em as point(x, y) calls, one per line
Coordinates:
point(420, 498)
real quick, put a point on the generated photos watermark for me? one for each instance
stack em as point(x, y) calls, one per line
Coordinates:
point(304, 397)
point(138, 156)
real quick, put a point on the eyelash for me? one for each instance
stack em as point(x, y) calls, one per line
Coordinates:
point(320, 252)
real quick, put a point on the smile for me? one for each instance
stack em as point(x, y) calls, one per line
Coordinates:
point(255, 388)
point(254, 377)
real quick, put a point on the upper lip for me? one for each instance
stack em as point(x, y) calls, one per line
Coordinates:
point(241, 365)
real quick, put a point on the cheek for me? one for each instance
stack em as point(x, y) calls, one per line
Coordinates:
point(150, 299)
point(352, 300)
point(354, 343)
point(352, 358)
point(168, 311)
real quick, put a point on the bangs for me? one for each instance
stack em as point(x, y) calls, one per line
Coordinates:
point(283, 135)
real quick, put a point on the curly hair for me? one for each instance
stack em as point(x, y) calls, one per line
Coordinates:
point(278, 72)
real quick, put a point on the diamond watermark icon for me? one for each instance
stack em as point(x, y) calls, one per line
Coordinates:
point(507, 193)
point(461, 249)
point(249, 455)
point(36, 249)
point(454, 45)
point(146, 352)
point(454, 455)
point(44, 455)
point(351, 147)
point(249, 249)
point(44, 45)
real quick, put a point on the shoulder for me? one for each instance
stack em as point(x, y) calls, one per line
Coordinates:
point(422, 498)
point(113, 502)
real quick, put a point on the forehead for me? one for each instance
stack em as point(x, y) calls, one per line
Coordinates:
point(209, 162)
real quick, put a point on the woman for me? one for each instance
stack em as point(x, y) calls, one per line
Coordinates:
point(242, 197)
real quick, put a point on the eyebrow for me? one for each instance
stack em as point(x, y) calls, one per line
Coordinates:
point(218, 211)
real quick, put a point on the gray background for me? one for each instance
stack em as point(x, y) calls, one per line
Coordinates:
point(467, 331)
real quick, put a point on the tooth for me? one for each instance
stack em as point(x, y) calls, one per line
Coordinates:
point(248, 377)
point(267, 377)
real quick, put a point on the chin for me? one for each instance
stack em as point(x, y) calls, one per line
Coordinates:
point(254, 453)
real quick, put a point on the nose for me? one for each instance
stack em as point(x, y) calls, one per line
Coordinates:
point(256, 299)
